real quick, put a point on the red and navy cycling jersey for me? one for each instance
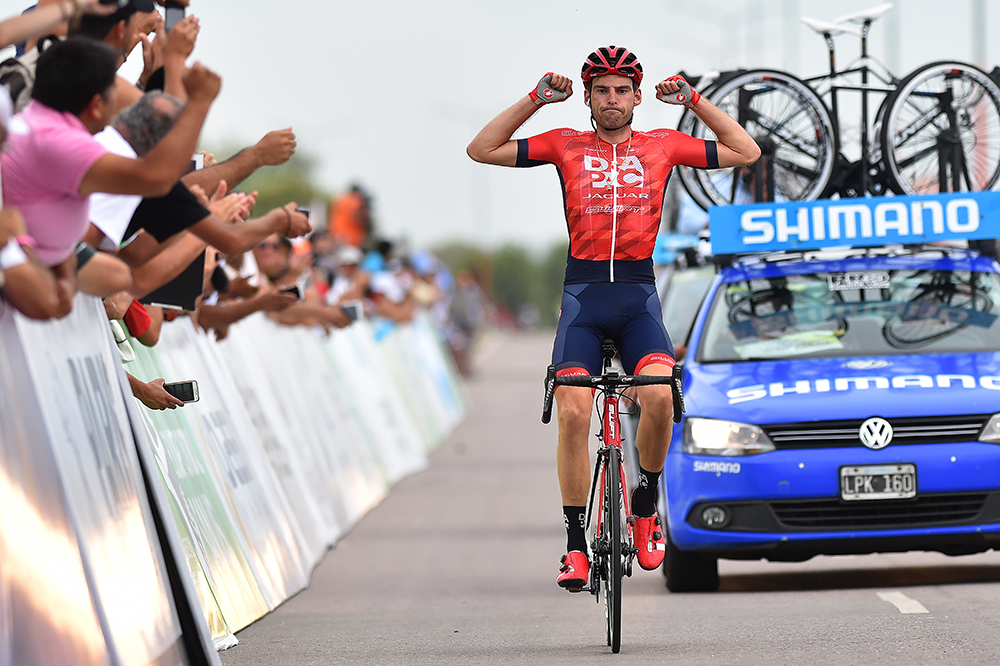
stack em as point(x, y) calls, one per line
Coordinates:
point(613, 195)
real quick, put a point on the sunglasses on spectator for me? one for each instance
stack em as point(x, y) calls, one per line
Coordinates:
point(270, 246)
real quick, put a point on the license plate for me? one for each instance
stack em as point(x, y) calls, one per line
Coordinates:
point(878, 482)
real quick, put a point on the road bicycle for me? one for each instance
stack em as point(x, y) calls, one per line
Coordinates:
point(936, 129)
point(609, 517)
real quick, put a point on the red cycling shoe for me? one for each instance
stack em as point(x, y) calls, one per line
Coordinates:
point(574, 572)
point(648, 537)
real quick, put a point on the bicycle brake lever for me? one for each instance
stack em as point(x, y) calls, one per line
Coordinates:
point(676, 374)
point(550, 389)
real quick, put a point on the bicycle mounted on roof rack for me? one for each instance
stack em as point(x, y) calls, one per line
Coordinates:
point(936, 130)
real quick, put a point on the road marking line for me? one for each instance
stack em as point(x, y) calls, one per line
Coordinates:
point(903, 602)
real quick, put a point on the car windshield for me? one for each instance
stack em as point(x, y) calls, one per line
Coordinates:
point(853, 313)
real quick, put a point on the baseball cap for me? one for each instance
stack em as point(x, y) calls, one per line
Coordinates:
point(124, 12)
point(349, 255)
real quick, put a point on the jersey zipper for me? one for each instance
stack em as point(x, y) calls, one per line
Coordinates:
point(614, 207)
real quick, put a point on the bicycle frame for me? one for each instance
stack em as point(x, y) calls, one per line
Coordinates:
point(610, 437)
point(861, 65)
point(612, 548)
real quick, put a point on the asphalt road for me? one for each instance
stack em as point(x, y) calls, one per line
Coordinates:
point(457, 566)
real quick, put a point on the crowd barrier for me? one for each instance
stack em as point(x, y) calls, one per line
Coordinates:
point(132, 536)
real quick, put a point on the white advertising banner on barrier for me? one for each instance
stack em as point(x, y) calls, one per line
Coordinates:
point(205, 515)
point(75, 377)
point(236, 457)
point(295, 437)
point(363, 379)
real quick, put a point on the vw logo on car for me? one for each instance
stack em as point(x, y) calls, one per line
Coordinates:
point(875, 433)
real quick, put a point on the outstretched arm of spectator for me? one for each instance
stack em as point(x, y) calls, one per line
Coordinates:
point(235, 238)
point(267, 299)
point(152, 394)
point(274, 149)
point(158, 171)
point(44, 18)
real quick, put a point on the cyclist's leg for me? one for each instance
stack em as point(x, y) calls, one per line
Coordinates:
point(646, 349)
point(576, 350)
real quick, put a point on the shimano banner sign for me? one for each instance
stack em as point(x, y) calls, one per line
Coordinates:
point(811, 225)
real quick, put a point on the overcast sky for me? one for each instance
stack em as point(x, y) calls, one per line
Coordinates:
point(388, 93)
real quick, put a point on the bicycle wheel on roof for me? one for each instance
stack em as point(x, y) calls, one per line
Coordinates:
point(942, 131)
point(792, 126)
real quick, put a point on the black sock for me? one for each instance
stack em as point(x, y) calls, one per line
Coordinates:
point(575, 518)
point(644, 495)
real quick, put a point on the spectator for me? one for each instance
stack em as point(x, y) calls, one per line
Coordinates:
point(119, 29)
point(43, 19)
point(350, 282)
point(25, 282)
point(351, 217)
point(144, 226)
point(275, 259)
point(54, 163)
point(467, 315)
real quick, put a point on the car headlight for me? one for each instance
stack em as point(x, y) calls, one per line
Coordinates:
point(991, 431)
point(712, 437)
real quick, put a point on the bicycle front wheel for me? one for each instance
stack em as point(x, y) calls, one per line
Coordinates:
point(612, 519)
point(793, 128)
point(942, 131)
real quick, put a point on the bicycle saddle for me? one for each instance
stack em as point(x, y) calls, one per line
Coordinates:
point(833, 29)
point(871, 14)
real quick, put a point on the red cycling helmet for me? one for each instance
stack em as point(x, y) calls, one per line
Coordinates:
point(612, 60)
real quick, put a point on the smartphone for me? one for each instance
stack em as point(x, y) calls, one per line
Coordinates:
point(352, 309)
point(183, 391)
point(295, 290)
point(304, 211)
point(174, 14)
point(117, 3)
point(197, 162)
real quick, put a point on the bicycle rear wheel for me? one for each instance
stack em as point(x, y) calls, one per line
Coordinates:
point(941, 132)
point(792, 126)
point(612, 522)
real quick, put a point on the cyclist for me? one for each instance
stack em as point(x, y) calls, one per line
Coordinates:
point(613, 182)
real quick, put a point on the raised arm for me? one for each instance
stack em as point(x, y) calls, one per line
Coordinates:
point(736, 147)
point(44, 18)
point(274, 149)
point(158, 171)
point(493, 144)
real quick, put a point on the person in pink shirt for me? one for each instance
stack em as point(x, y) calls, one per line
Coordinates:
point(53, 163)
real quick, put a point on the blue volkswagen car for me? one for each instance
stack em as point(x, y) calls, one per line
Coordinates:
point(839, 401)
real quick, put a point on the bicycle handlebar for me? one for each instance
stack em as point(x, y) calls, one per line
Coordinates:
point(612, 381)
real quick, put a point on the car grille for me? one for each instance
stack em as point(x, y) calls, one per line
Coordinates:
point(925, 511)
point(912, 430)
